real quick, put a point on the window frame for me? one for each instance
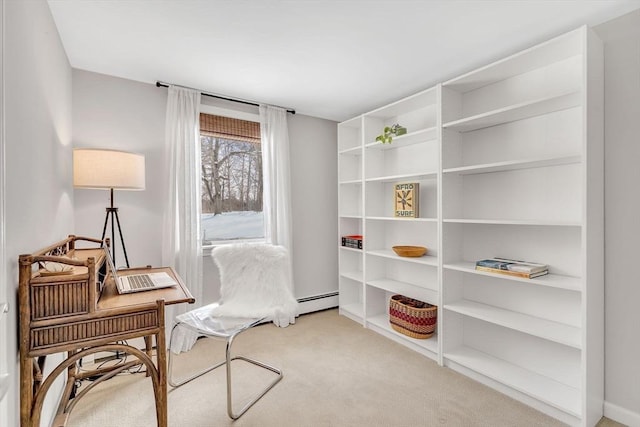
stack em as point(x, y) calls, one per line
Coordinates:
point(234, 114)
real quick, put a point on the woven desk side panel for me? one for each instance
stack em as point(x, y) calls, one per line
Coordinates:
point(61, 299)
point(82, 331)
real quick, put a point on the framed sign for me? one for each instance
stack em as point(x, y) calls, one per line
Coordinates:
point(406, 197)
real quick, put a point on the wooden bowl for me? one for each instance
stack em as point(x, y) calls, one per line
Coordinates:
point(410, 251)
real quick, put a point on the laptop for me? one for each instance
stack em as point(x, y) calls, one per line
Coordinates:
point(131, 283)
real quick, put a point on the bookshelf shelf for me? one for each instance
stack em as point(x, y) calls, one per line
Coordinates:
point(416, 103)
point(512, 165)
point(347, 249)
point(545, 389)
point(404, 177)
point(388, 253)
point(391, 218)
point(417, 137)
point(543, 328)
point(550, 280)
point(350, 216)
point(351, 182)
point(515, 112)
point(353, 151)
point(353, 275)
point(353, 310)
point(380, 324)
point(554, 50)
point(532, 222)
point(406, 289)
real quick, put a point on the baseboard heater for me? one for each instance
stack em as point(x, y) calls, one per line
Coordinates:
point(315, 297)
point(318, 302)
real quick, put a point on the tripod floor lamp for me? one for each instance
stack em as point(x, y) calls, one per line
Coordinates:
point(109, 170)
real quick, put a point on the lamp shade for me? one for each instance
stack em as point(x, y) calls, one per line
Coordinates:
point(105, 169)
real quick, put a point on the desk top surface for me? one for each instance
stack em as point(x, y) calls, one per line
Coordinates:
point(110, 298)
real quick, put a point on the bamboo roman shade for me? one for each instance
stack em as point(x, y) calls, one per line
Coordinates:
point(227, 127)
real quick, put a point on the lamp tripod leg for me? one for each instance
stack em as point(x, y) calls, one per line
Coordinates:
point(104, 232)
point(104, 227)
point(124, 249)
point(110, 212)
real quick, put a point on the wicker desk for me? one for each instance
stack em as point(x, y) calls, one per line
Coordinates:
point(81, 313)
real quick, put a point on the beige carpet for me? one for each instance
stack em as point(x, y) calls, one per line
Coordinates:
point(336, 373)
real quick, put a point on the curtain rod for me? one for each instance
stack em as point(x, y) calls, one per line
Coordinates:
point(241, 101)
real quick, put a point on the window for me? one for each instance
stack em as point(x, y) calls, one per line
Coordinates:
point(231, 179)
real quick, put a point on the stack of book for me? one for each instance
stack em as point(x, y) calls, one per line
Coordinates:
point(512, 267)
point(353, 241)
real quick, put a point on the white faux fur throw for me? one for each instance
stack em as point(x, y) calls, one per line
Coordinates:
point(255, 282)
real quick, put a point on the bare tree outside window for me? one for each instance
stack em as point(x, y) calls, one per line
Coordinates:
point(231, 189)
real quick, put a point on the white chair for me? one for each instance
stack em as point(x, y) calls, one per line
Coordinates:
point(255, 288)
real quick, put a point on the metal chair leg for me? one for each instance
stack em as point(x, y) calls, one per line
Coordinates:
point(228, 359)
point(249, 404)
point(170, 379)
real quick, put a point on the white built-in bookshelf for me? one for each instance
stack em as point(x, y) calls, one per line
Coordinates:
point(509, 159)
point(368, 171)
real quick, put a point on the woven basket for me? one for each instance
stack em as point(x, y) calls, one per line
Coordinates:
point(413, 318)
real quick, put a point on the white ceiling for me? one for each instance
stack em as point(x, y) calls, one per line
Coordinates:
point(332, 59)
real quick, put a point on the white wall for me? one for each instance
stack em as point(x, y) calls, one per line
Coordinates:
point(315, 205)
point(621, 38)
point(110, 112)
point(120, 114)
point(38, 193)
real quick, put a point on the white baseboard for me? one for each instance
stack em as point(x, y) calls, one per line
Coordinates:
point(621, 415)
point(318, 302)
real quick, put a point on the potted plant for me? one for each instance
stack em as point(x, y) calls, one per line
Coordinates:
point(389, 132)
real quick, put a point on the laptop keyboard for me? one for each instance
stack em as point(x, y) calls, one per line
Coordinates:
point(141, 281)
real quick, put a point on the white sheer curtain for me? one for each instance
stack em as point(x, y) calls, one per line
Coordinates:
point(182, 245)
point(276, 176)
